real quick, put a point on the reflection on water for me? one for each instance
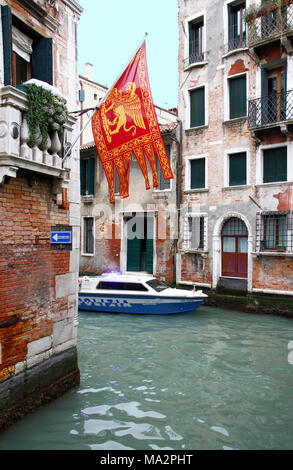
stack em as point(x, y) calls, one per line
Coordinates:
point(214, 379)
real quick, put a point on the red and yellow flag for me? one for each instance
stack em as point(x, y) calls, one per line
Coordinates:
point(125, 124)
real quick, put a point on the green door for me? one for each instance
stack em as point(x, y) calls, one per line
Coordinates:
point(134, 248)
point(140, 245)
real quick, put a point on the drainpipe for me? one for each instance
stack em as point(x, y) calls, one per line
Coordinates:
point(178, 195)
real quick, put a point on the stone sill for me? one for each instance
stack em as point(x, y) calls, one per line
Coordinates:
point(197, 129)
point(234, 51)
point(273, 253)
point(232, 188)
point(195, 64)
point(193, 191)
point(277, 183)
point(236, 121)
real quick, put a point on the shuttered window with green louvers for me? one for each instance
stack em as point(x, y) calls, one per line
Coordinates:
point(197, 107)
point(237, 93)
point(237, 169)
point(87, 176)
point(275, 164)
point(197, 173)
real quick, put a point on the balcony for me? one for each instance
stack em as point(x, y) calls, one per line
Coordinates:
point(194, 59)
point(15, 153)
point(271, 23)
point(270, 111)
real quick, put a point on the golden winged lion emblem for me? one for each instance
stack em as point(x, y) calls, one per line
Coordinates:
point(125, 104)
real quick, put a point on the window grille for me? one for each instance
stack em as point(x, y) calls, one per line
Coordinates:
point(274, 231)
point(195, 233)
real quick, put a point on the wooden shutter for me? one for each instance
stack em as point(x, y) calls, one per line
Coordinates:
point(150, 245)
point(91, 176)
point(7, 44)
point(237, 97)
point(237, 169)
point(42, 60)
point(275, 164)
point(197, 173)
point(82, 176)
point(163, 184)
point(197, 107)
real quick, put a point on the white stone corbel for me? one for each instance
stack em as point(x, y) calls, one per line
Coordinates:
point(7, 170)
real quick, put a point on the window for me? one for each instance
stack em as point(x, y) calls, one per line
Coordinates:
point(157, 285)
point(88, 235)
point(237, 169)
point(197, 173)
point(87, 176)
point(274, 231)
point(197, 107)
point(196, 38)
point(275, 164)
point(163, 184)
point(116, 181)
point(122, 286)
point(236, 26)
point(195, 231)
point(237, 95)
point(26, 54)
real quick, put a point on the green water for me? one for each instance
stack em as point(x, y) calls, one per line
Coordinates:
point(214, 379)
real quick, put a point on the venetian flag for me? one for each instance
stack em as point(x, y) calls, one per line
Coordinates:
point(125, 124)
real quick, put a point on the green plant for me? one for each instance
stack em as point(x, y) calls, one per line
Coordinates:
point(46, 111)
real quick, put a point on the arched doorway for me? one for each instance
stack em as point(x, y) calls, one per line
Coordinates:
point(234, 248)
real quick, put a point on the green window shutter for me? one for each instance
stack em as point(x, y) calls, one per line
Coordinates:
point(275, 165)
point(197, 107)
point(42, 60)
point(82, 176)
point(163, 184)
point(237, 169)
point(7, 44)
point(150, 245)
point(237, 87)
point(197, 173)
point(91, 176)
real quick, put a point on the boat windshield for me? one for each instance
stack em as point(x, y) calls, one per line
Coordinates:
point(157, 285)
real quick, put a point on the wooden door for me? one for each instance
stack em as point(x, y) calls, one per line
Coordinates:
point(234, 249)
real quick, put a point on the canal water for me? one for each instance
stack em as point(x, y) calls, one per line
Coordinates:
point(209, 380)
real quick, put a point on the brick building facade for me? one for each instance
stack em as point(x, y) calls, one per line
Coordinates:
point(106, 241)
point(235, 82)
point(38, 191)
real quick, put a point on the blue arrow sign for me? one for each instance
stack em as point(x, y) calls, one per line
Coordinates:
point(61, 237)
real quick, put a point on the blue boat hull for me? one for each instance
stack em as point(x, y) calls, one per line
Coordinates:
point(137, 304)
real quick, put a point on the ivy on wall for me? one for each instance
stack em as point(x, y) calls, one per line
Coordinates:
point(46, 113)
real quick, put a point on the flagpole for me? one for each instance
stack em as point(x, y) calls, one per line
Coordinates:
point(68, 152)
point(125, 66)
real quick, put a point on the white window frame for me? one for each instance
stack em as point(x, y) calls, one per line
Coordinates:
point(188, 172)
point(84, 253)
point(226, 20)
point(189, 19)
point(188, 235)
point(188, 108)
point(227, 95)
point(227, 154)
point(259, 162)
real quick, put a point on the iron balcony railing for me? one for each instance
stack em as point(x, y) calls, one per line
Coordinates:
point(237, 42)
point(270, 23)
point(277, 107)
point(194, 58)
